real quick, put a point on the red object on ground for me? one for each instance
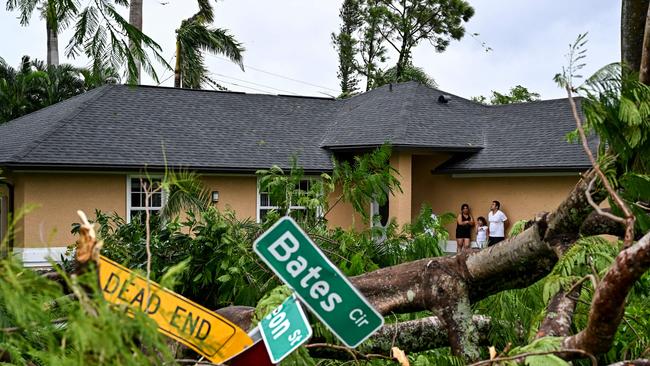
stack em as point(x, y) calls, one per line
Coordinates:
point(254, 356)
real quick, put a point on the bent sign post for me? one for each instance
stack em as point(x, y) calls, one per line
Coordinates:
point(285, 329)
point(204, 331)
point(321, 286)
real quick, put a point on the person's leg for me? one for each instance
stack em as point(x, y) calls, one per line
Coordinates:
point(459, 245)
point(466, 244)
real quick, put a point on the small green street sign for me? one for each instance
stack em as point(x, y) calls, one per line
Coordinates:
point(294, 257)
point(285, 329)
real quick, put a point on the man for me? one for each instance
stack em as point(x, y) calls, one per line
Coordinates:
point(496, 218)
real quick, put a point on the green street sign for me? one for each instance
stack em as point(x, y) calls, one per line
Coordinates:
point(294, 257)
point(285, 329)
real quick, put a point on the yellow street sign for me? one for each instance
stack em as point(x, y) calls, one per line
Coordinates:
point(203, 330)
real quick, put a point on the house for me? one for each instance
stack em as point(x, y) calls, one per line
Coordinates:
point(89, 151)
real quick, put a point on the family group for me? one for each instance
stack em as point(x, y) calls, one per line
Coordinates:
point(488, 232)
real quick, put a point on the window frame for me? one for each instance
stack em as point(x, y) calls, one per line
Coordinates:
point(129, 186)
point(259, 207)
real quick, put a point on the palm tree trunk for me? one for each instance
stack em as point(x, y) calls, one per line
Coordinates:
point(135, 19)
point(52, 45)
point(177, 68)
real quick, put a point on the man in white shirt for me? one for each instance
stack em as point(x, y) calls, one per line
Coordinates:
point(496, 218)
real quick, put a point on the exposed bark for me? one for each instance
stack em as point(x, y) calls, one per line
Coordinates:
point(516, 262)
point(52, 45)
point(596, 224)
point(644, 69)
point(559, 315)
point(135, 19)
point(608, 303)
point(177, 67)
point(640, 362)
point(633, 20)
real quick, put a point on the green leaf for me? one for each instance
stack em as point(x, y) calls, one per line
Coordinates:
point(545, 360)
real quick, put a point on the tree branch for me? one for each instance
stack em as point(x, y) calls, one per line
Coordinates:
point(608, 303)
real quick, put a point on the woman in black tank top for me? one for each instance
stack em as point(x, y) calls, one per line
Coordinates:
point(464, 224)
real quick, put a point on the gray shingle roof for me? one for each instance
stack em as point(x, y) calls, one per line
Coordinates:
point(125, 127)
point(121, 126)
point(406, 114)
point(525, 136)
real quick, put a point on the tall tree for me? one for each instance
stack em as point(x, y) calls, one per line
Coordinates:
point(371, 48)
point(100, 33)
point(195, 36)
point(57, 15)
point(103, 35)
point(135, 19)
point(405, 23)
point(633, 22)
point(346, 46)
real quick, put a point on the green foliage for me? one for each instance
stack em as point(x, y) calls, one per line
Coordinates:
point(100, 33)
point(346, 46)
point(195, 36)
point(371, 26)
point(221, 268)
point(518, 94)
point(438, 357)
point(369, 178)
point(517, 228)
point(33, 86)
point(404, 24)
point(295, 190)
point(184, 191)
point(43, 326)
point(409, 73)
point(539, 345)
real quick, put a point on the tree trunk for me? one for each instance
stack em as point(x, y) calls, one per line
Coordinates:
point(135, 19)
point(633, 19)
point(177, 68)
point(52, 45)
point(644, 70)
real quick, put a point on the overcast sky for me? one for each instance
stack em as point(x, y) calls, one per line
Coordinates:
point(289, 48)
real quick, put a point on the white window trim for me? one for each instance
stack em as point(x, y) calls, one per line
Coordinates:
point(259, 206)
point(129, 208)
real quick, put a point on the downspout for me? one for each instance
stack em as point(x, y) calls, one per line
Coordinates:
point(11, 210)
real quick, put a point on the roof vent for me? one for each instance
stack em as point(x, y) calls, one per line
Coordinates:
point(444, 99)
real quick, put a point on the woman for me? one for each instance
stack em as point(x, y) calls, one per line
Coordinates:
point(464, 223)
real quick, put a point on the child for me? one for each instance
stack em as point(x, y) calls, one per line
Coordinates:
point(482, 232)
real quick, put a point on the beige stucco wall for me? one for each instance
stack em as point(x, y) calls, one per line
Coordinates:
point(521, 197)
point(342, 214)
point(237, 193)
point(55, 199)
point(400, 203)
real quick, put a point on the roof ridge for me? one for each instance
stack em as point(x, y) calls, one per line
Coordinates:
point(55, 126)
point(225, 92)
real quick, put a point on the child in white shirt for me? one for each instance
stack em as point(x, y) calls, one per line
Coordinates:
point(482, 232)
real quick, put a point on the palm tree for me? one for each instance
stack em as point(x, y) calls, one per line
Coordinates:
point(100, 33)
point(135, 19)
point(193, 37)
point(57, 14)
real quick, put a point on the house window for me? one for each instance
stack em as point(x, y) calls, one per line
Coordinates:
point(137, 188)
point(265, 203)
